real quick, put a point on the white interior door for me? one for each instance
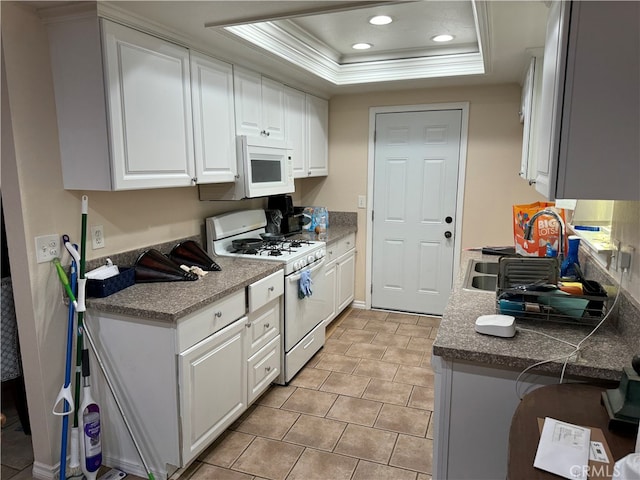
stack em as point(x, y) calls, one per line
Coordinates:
point(416, 163)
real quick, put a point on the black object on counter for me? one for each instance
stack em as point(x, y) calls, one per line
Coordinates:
point(191, 254)
point(153, 266)
point(499, 250)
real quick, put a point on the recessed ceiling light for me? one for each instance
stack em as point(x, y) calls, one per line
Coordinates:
point(380, 20)
point(361, 46)
point(442, 38)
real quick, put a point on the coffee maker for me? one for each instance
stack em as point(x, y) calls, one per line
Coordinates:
point(291, 221)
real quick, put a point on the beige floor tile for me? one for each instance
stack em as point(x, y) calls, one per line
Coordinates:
point(413, 453)
point(373, 314)
point(275, 396)
point(335, 332)
point(403, 356)
point(376, 369)
point(414, 331)
point(8, 472)
point(309, 378)
point(421, 343)
point(315, 432)
point(415, 376)
point(315, 465)
point(17, 451)
point(353, 322)
point(226, 449)
point(422, 397)
point(344, 384)
point(310, 402)
point(366, 350)
point(355, 410)
point(426, 321)
point(434, 333)
point(391, 340)
point(315, 359)
point(423, 476)
point(268, 422)
point(426, 361)
point(360, 336)
point(403, 318)
point(268, 459)
point(411, 421)
point(338, 363)
point(333, 345)
point(374, 471)
point(388, 392)
point(211, 472)
point(366, 443)
point(381, 326)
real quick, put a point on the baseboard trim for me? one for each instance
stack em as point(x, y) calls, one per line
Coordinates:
point(359, 304)
point(44, 471)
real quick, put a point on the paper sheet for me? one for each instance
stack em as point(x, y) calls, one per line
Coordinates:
point(563, 449)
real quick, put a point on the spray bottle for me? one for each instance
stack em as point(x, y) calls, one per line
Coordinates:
point(90, 443)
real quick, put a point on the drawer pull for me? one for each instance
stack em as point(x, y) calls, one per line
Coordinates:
point(266, 325)
point(267, 369)
point(218, 314)
point(310, 342)
point(272, 288)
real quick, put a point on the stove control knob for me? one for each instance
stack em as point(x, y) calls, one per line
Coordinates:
point(311, 259)
point(320, 253)
point(298, 265)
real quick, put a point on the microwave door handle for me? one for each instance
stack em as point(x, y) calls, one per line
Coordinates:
point(316, 266)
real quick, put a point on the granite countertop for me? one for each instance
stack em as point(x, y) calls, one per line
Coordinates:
point(602, 357)
point(169, 301)
point(333, 233)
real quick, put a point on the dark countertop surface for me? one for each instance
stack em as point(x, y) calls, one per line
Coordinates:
point(333, 233)
point(169, 301)
point(602, 356)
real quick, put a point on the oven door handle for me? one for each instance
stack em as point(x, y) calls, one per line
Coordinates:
point(316, 266)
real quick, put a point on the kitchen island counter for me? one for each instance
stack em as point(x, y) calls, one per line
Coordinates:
point(602, 357)
point(170, 301)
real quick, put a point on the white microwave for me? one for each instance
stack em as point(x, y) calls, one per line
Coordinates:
point(265, 167)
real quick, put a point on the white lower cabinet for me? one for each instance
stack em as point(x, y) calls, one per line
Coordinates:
point(213, 389)
point(340, 274)
point(181, 384)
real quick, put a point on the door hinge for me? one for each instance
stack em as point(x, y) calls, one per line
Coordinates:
point(372, 215)
point(372, 288)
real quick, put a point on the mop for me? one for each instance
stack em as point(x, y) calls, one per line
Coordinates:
point(65, 392)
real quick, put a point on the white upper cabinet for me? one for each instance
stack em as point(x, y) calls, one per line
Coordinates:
point(590, 115)
point(295, 129)
point(259, 104)
point(123, 101)
point(317, 136)
point(529, 114)
point(213, 119)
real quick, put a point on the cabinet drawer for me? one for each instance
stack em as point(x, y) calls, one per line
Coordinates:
point(199, 325)
point(263, 368)
point(304, 350)
point(264, 325)
point(265, 290)
point(340, 247)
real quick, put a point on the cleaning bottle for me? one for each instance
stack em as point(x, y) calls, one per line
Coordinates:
point(567, 269)
point(90, 443)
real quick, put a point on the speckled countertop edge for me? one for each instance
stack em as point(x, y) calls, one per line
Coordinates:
point(604, 356)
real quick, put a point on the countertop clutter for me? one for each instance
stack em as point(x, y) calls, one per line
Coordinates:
point(602, 357)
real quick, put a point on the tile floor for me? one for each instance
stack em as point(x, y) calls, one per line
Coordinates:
point(361, 409)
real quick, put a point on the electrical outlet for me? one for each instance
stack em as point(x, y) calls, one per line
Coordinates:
point(625, 257)
point(362, 201)
point(47, 248)
point(97, 237)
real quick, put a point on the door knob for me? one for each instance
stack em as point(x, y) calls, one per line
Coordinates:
point(448, 219)
point(447, 234)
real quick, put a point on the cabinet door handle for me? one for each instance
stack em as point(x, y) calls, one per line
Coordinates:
point(217, 314)
point(266, 325)
point(248, 324)
point(267, 369)
point(272, 288)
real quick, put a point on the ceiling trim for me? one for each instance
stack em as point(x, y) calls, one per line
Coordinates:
point(316, 58)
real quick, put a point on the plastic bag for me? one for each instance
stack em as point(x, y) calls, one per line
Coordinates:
point(545, 233)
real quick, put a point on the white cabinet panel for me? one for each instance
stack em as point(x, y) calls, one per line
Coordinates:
point(213, 120)
point(266, 290)
point(263, 325)
point(213, 387)
point(317, 135)
point(339, 275)
point(345, 275)
point(590, 116)
point(263, 368)
point(149, 101)
point(295, 129)
point(260, 106)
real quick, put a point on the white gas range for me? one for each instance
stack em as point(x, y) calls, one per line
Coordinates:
point(238, 234)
